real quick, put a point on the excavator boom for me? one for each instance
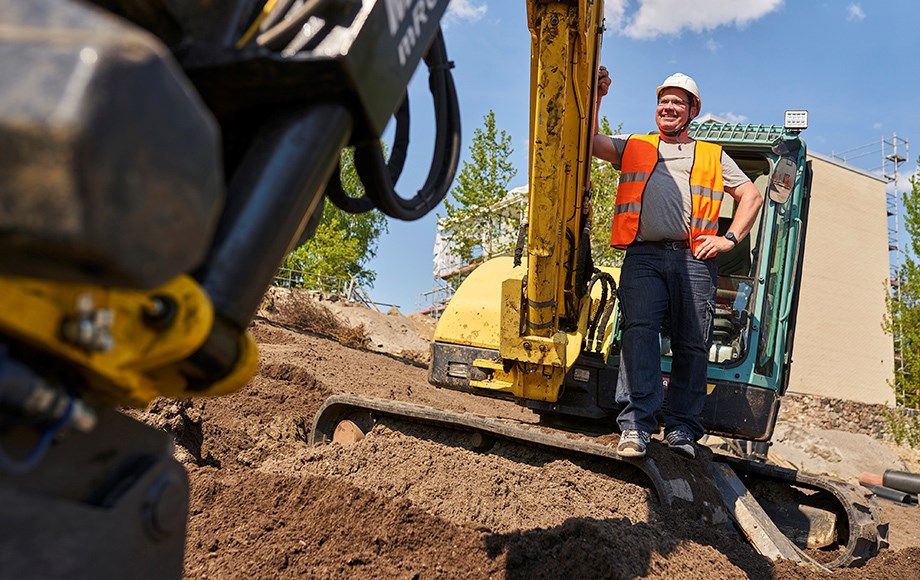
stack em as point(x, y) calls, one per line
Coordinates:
point(540, 320)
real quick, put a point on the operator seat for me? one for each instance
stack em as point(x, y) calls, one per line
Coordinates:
point(735, 262)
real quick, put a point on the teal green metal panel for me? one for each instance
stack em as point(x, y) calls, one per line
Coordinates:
point(776, 280)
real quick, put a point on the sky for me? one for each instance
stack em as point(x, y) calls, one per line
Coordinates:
point(852, 65)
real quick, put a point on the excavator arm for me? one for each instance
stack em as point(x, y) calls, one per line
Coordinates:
point(540, 320)
point(160, 159)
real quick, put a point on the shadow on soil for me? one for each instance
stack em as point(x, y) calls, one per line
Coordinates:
point(618, 548)
point(609, 548)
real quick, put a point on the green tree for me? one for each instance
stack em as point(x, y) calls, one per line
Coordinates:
point(604, 183)
point(903, 320)
point(476, 229)
point(343, 243)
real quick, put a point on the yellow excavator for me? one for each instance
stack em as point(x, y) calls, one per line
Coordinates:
point(543, 332)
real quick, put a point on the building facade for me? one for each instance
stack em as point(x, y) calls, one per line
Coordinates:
point(840, 348)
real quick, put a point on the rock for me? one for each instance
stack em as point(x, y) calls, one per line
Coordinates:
point(831, 452)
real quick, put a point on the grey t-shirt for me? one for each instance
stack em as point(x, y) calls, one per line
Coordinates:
point(666, 201)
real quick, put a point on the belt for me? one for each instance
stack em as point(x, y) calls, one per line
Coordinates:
point(665, 244)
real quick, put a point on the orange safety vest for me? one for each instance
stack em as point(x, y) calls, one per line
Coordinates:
point(706, 189)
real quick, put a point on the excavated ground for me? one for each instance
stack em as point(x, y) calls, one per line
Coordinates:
point(412, 502)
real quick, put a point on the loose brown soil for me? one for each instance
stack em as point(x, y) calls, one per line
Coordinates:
point(414, 502)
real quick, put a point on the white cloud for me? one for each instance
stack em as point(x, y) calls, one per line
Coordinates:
point(653, 18)
point(903, 183)
point(733, 118)
point(876, 125)
point(614, 11)
point(464, 10)
point(855, 12)
point(712, 45)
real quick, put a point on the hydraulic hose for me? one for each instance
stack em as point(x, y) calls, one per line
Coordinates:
point(604, 308)
point(584, 263)
point(48, 408)
point(349, 204)
point(519, 246)
point(372, 168)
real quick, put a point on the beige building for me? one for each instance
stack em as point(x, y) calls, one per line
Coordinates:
point(840, 349)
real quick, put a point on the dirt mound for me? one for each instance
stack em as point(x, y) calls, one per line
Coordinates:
point(409, 501)
point(424, 326)
point(352, 324)
point(413, 502)
point(300, 311)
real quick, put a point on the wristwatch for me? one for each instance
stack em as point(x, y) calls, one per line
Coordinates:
point(731, 238)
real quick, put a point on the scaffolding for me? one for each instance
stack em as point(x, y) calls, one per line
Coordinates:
point(433, 302)
point(497, 241)
point(887, 153)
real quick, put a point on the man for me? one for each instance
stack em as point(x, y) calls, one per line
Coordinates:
point(666, 218)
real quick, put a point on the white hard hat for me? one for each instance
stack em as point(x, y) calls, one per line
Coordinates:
point(682, 81)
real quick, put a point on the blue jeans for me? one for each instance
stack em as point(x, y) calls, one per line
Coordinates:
point(654, 281)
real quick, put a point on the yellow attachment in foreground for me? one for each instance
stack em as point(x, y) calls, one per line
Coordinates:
point(107, 337)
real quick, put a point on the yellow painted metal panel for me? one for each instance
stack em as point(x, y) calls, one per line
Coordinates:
point(473, 317)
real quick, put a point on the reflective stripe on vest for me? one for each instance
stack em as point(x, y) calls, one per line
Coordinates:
point(639, 159)
point(706, 189)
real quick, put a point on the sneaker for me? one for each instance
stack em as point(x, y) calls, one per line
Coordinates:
point(680, 441)
point(632, 443)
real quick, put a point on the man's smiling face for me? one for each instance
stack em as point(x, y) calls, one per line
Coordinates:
point(674, 110)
